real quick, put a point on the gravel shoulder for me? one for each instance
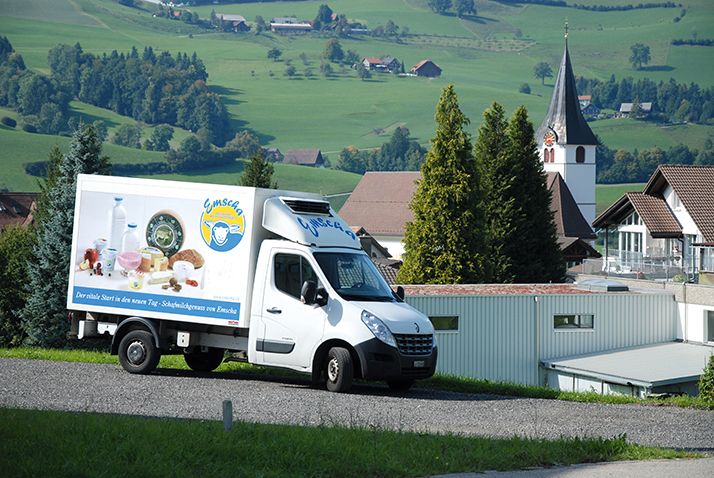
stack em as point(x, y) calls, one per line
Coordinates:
point(85, 387)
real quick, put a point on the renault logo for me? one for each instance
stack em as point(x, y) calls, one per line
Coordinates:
point(417, 327)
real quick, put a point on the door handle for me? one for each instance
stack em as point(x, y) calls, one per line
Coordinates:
point(274, 310)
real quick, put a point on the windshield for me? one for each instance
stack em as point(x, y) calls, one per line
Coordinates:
point(354, 276)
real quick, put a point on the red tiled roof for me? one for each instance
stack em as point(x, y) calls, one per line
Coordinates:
point(694, 185)
point(656, 215)
point(422, 63)
point(492, 289)
point(380, 202)
point(16, 208)
point(373, 61)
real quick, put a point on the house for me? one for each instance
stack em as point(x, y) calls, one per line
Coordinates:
point(238, 22)
point(426, 68)
point(587, 108)
point(304, 157)
point(387, 63)
point(16, 209)
point(382, 259)
point(626, 110)
point(665, 230)
point(380, 204)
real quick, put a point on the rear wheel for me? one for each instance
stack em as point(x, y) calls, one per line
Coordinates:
point(138, 352)
point(339, 370)
point(400, 385)
point(204, 361)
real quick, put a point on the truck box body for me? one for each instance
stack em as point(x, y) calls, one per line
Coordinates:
point(187, 210)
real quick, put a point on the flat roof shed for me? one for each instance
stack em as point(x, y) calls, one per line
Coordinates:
point(649, 366)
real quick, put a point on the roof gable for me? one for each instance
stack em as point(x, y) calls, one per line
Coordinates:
point(569, 221)
point(303, 156)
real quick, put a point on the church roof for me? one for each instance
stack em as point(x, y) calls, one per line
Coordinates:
point(569, 221)
point(564, 116)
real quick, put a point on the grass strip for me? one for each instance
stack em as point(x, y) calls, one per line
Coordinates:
point(48, 443)
point(438, 382)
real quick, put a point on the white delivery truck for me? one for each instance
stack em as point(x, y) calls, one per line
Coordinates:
point(276, 277)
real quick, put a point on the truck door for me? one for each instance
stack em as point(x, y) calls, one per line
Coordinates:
point(292, 329)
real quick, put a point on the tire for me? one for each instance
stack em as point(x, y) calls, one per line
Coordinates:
point(138, 352)
point(400, 385)
point(339, 370)
point(206, 361)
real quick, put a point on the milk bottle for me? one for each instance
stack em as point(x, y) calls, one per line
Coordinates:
point(118, 224)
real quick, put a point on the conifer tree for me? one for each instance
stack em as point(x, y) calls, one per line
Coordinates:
point(444, 243)
point(44, 316)
point(542, 260)
point(258, 173)
point(497, 181)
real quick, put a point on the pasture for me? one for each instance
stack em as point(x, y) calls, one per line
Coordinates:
point(487, 57)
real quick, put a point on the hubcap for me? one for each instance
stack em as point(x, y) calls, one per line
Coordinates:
point(333, 370)
point(136, 353)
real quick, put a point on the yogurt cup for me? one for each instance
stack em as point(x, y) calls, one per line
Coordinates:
point(109, 257)
point(100, 244)
point(182, 270)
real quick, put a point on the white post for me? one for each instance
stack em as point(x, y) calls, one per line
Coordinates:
point(227, 415)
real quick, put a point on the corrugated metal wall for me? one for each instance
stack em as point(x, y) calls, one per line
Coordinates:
point(496, 339)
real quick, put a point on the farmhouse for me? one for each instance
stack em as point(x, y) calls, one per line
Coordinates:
point(626, 110)
point(16, 209)
point(587, 108)
point(289, 25)
point(304, 157)
point(426, 68)
point(666, 229)
point(238, 22)
point(387, 63)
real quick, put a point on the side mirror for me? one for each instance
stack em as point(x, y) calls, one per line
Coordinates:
point(308, 293)
point(400, 293)
point(322, 296)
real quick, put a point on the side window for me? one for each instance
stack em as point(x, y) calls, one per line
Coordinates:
point(290, 271)
point(580, 154)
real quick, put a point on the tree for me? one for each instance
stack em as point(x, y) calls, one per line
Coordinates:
point(497, 181)
point(303, 58)
point(260, 25)
point(542, 70)
point(101, 129)
point(525, 88)
point(325, 69)
point(533, 218)
point(640, 55)
point(706, 381)
point(363, 72)
point(439, 6)
point(16, 245)
point(333, 50)
point(464, 7)
point(160, 137)
point(44, 317)
point(444, 243)
point(275, 54)
point(128, 135)
point(258, 173)
point(391, 29)
point(324, 16)
point(351, 57)
point(290, 71)
point(245, 144)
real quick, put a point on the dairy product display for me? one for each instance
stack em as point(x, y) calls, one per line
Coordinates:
point(118, 223)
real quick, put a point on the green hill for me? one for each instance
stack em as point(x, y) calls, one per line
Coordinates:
point(487, 57)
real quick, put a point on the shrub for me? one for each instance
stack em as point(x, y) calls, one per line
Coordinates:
point(29, 128)
point(525, 88)
point(7, 121)
point(706, 381)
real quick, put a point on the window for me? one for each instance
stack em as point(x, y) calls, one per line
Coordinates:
point(291, 271)
point(676, 204)
point(552, 155)
point(710, 325)
point(546, 155)
point(447, 322)
point(354, 276)
point(580, 154)
point(573, 321)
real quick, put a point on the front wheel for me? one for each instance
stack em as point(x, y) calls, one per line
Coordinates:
point(138, 352)
point(339, 370)
point(204, 361)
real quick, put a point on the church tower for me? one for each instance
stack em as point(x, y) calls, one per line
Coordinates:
point(565, 141)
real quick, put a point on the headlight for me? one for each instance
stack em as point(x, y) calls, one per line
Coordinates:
point(378, 328)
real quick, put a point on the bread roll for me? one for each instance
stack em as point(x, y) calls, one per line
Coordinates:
point(190, 255)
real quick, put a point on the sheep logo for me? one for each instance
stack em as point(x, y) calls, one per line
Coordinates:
point(222, 224)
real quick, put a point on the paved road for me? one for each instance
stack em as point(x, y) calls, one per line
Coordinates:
point(170, 393)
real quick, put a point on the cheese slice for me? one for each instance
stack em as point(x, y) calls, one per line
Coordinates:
point(160, 277)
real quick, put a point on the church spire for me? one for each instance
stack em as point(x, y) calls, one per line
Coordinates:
point(564, 117)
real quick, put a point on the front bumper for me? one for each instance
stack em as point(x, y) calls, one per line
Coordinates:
point(379, 361)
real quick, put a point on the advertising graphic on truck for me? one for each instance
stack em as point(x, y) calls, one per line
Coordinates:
point(275, 277)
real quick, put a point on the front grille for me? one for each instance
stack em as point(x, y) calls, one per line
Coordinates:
point(304, 206)
point(414, 344)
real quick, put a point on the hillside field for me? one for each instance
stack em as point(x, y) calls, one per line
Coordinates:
point(486, 57)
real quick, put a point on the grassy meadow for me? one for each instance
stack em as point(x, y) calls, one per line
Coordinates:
point(487, 57)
